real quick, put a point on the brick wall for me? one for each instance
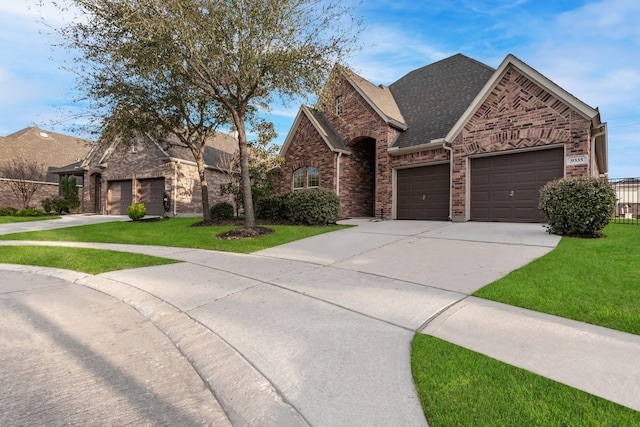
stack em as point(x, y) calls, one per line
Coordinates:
point(8, 199)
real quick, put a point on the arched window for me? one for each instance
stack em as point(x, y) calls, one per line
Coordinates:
point(313, 177)
point(339, 109)
point(298, 179)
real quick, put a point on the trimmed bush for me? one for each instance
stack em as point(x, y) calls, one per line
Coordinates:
point(312, 207)
point(29, 212)
point(47, 204)
point(577, 206)
point(136, 211)
point(272, 207)
point(8, 211)
point(222, 210)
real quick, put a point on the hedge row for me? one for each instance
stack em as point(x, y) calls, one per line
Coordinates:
point(313, 207)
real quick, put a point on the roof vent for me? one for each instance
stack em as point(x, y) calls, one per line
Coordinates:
point(44, 135)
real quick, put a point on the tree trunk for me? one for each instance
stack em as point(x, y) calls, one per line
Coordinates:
point(245, 181)
point(206, 212)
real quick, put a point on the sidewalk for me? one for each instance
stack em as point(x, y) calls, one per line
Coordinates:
point(328, 321)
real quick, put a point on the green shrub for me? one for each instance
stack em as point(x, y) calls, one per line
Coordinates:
point(47, 204)
point(577, 206)
point(136, 211)
point(8, 211)
point(61, 205)
point(70, 194)
point(30, 212)
point(272, 207)
point(313, 207)
point(222, 210)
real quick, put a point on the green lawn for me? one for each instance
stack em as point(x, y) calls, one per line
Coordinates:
point(590, 280)
point(92, 261)
point(458, 387)
point(175, 232)
point(12, 219)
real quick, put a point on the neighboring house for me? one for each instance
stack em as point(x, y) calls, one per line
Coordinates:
point(122, 172)
point(453, 140)
point(628, 197)
point(50, 149)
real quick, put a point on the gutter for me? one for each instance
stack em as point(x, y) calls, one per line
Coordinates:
point(434, 144)
point(447, 146)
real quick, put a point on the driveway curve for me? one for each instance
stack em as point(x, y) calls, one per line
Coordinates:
point(324, 324)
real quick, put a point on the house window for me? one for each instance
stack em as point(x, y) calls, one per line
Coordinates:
point(313, 177)
point(339, 109)
point(298, 179)
point(134, 146)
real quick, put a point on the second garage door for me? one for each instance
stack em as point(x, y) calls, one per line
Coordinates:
point(423, 193)
point(506, 188)
point(151, 191)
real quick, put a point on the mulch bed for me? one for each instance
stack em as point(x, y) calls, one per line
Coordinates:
point(243, 232)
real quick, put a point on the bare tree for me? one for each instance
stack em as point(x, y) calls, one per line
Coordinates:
point(24, 176)
point(191, 65)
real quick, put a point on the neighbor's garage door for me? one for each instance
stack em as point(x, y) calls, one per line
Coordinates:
point(151, 191)
point(506, 187)
point(120, 197)
point(423, 193)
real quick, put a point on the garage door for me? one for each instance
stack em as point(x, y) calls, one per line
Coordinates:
point(506, 188)
point(119, 197)
point(151, 191)
point(423, 193)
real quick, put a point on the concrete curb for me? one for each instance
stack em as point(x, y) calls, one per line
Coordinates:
point(246, 396)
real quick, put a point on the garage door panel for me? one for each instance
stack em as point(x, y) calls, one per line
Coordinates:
point(512, 182)
point(151, 192)
point(119, 197)
point(423, 193)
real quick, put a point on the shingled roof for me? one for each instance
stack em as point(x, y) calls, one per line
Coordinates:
point(433, 98)
point(53, 150)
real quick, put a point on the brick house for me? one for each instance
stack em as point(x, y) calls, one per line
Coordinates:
point(119, 173)
point(50, 149)
point(454, 140)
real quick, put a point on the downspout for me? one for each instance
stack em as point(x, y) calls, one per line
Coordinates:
point(175, 189)
point(594, 160)
point(448, 147)
point(338, 174)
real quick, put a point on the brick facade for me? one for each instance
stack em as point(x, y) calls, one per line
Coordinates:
point(122, 163)
point(516, 115)
point(8, 199)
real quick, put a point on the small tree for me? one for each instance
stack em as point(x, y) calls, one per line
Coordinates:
point(70, 191)
point(264, 169)
point(25, 178)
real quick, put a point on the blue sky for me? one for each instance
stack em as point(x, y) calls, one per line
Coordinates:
point(591, 48)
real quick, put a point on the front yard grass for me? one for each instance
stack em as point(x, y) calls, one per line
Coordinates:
point(13, 219)
point(92, 261)
point(458, 387)
point(590, 280)
point(175, 232)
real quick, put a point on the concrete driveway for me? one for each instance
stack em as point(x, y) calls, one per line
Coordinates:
point(319, 331)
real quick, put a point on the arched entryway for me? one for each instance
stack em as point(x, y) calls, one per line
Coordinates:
point(359, 189)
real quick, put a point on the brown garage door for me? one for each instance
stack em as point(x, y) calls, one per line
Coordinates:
point(151, 191)
point(119, 197)
point(506, 188)
point(423, 193)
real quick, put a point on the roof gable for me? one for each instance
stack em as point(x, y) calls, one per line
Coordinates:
point(512, 62)
point(379, 98)
point(326, 131)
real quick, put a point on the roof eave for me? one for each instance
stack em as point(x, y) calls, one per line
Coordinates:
point(434, 144)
